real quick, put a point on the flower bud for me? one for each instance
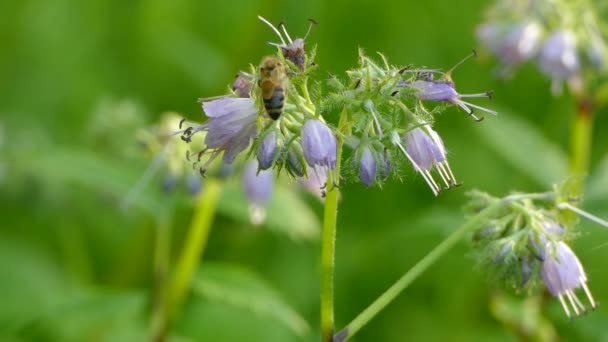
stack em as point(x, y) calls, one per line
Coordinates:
point(319, 144)
point(367, 166)
point(266, 151)
point(385, 165)
point(294, 164)
point(526, 270)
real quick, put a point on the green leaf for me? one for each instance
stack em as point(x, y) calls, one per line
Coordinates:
point(78, 166)
point(93, 315)
point(287, 213)
point(522, 145)
point(243, 288)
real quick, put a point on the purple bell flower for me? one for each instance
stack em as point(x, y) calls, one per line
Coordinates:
point(444, 91)
point(230, 128)
point(319, 144)
point(367, 166)
point(258, 189)
point(266, 151)
point(563, 273)
point(425, 150)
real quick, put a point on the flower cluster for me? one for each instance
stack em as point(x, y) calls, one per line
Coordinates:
point(277, 113)
point(272, 113)
point(525, 243)
point(557, 34)
point(386, 121)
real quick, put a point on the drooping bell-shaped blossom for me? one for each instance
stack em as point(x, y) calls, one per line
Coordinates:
point(320, 147)
point(230, 128)
point(367, 166)
point(559, 59)
point(267, 151)
point(258, 188)
point(319, 144)
point(425, 150)
point(444, 91)
point(562, 274)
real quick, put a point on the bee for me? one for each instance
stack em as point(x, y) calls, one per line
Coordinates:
point(292, 50)
point(273, 82)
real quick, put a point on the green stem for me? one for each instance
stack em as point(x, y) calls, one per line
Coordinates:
point(328, 251)
point(580, 144)
point(195, 243)
point(389, 295)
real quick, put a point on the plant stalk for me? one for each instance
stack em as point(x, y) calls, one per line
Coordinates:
point(328, 249)
point(195, 243)
point(389, 295)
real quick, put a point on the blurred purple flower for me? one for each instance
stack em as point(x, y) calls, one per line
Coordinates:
point(194, 184)
point(511, 43)
point(258, 190)
point(559, 59)
point(316, 181)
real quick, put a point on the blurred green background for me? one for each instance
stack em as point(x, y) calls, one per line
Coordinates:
point(79, 78)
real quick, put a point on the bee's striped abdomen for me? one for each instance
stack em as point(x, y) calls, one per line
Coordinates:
point(274, 104)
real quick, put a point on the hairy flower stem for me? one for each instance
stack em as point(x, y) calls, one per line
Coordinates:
point(194, 246)
point(328, 249)
point(389, 295)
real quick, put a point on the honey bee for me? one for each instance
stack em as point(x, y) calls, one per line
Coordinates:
point(273, 83)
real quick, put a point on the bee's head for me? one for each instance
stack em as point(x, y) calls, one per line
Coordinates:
point(271, 66)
